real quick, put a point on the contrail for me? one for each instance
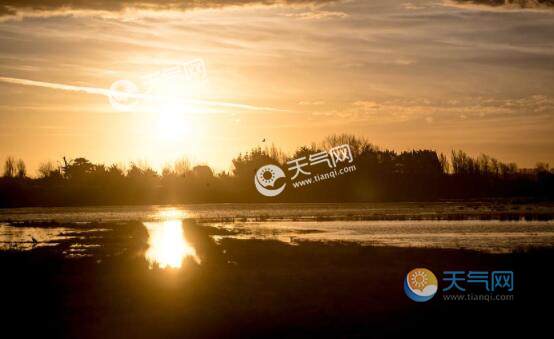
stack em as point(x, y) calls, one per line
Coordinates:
point(108, 92)
point(84, 89)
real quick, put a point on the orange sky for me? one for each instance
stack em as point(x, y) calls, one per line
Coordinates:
point(404, 74)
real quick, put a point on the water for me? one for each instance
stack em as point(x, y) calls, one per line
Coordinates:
point(167, 244)
point(25, 238)
point(377, 211)
point(482, 235)
point(439, 225)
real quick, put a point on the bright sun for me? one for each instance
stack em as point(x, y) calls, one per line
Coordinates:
point(173, 123)
point(170, 103)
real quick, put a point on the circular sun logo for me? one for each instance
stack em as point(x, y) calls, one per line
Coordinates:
point(420, 284)
point(267, 176)
point(418, 279)
point(265, 179)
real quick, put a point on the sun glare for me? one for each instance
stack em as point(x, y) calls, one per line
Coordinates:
point(173, 123)
point(167, 244)
point(170, 214)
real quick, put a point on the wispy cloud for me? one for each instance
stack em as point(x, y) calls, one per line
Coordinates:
point(319, 15)
point(402, 110)
point(82, 89)
point(108, 92)
point(15, 7)
point(312, 103)
point(505, 4)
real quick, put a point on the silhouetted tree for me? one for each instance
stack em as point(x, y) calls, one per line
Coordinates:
point(115, 172)
point(77, 168)
point(445, 165)
point(202, 172)
point(542, 167)
point(21, 169)
point(381, 175)
point(357, 144)
point(9, 167)
point(49, 170)
point(245, 166)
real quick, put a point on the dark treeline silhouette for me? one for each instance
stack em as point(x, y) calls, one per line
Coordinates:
point(381, 175)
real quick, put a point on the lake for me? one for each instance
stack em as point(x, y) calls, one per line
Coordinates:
point(483, 226)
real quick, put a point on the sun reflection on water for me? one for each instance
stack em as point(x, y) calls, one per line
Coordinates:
point(167, 244)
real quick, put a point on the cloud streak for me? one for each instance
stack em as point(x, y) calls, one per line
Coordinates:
point(13, 7)
point(108, 92)
point(510, 4)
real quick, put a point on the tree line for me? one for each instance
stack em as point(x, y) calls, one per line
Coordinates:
point(381, 175)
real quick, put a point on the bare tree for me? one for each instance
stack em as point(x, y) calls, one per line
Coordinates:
point(46, 169)
point(357, 144)
point(542, 167)
point(445, 165)
point(276, 153)
point(9, 167)
point(21, 169)
point(182, 167)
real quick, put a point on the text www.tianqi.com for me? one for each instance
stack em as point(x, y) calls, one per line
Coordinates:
point(325, 176)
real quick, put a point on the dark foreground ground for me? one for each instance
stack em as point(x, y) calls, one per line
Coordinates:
point(255, 288)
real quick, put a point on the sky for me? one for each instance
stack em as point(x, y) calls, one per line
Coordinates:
point(442, 75)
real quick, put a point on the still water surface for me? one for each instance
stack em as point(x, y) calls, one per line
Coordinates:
point(378, 211)
point(418, 225)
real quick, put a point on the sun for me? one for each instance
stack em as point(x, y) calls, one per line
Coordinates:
point(173, 121)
